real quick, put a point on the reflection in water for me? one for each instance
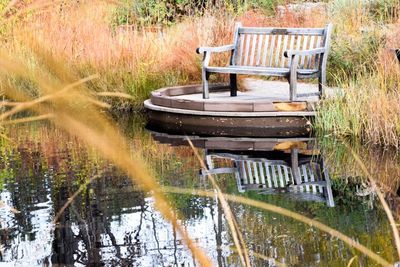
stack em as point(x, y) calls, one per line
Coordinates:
point(301, 176)
point(112, 223)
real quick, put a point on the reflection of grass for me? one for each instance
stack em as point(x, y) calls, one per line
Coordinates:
point(171, 172)
point(359, 164)
point(381, 163)
point(298, 217)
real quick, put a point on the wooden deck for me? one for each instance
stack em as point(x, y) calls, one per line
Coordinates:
point(256, 89)
point(262, 109)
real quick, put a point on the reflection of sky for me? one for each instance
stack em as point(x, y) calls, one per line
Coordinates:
point(158, 247)
point(152, 241)
point(20, 249)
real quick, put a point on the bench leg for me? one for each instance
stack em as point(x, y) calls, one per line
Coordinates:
point(205, 76)
point(294, 156)
point(321, 83)
point(233, 84)
point(293, 88)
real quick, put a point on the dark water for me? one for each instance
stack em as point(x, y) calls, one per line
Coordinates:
point(112, 223)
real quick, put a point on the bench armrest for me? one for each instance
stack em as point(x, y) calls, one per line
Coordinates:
point(294, 56)
point(310, 52)
point(225, 48)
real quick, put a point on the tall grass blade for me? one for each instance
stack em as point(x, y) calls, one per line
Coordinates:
point(233, 226)
point(381, 197)
point(77, 113)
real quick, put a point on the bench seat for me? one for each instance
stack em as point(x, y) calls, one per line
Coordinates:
point(250, 70)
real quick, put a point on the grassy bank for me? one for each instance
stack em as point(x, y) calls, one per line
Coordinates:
point(137, 48)
point(363, 63)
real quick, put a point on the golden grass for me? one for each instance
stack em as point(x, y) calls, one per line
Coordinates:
point(79, 38)
point(128, 59)
point(363, 64)
point(133, 61)
point(351, 261)
point(78, 114)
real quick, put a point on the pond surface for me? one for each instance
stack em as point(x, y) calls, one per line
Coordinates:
point(112, 223)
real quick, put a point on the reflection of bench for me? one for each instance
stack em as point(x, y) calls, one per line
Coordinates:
point(293, 53)
point(307, 177)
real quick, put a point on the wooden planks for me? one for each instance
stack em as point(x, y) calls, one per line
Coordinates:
point(184, 97)
point(283, 31)
point(265, 47)
point(267, 50)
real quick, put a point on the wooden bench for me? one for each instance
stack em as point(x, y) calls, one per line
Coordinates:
point(293, 53)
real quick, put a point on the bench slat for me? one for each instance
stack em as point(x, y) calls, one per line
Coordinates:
point(311, 46)
point(316, 58)
point(278, 51)
point(246, 53)
point(242, 170)
point(236, 36)
point(259, 48)
point(280, 175)
point(265, 50)
point(261, 168)
point(312, 179)
point(249, 172)
point(268, 174)
point(288, 181)
point(283, 58)
point(274, 180)
point(256, 177)
point(271, 51)
point(305, 177)
point(298, 42)
point(292, 39)
point(240, 49)
point(253, 49)
point(305, 43)
point(279, 72)
point(282, 31)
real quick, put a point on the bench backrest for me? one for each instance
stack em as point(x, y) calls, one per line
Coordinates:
point(265, 174)
point(270, 175)
point(265, 47)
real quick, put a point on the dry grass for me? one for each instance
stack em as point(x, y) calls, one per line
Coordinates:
point(77, 112)
point(128, 59)
point(363, 63)
point(136, 61)
point(132, 60)
point(48, 61)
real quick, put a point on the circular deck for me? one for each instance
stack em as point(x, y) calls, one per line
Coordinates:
point(256, 112)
